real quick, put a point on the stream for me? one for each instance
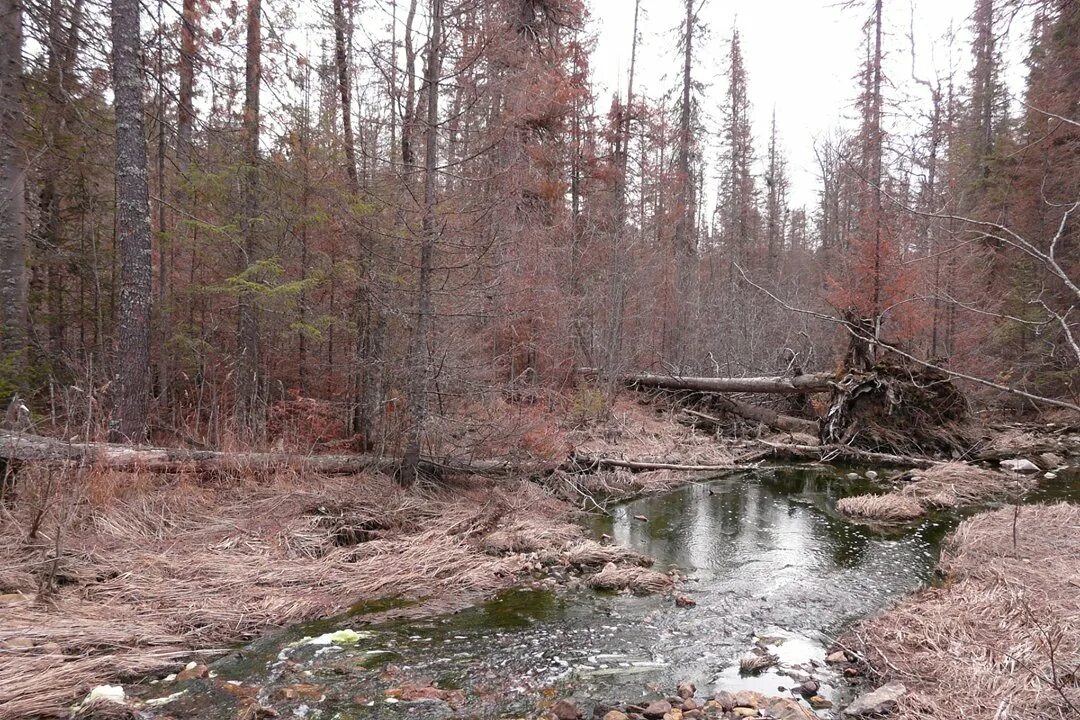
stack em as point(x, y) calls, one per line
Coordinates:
point(766, 557)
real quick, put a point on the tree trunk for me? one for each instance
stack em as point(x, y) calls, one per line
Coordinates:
point(617, 298)
point(132, 404)
point(418, 375)
point(13, 286)
point(757, 413)
point(808, 383)
point(249, 401)
point(24, 447)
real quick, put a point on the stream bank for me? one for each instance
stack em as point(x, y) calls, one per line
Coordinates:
point(769, 564)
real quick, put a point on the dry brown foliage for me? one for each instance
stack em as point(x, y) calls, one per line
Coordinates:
point(948, 485)
point(638, 580)
point(890, 507)
point(648, 432)
point(1001, 638)
point(147, 571)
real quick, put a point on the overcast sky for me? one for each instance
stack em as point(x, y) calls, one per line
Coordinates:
point(801, 58)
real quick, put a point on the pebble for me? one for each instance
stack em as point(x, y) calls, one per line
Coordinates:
point(725, 700)
point(566, 710)
point(656, 709)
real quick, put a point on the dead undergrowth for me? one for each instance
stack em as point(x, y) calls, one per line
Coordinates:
point(1001, 637)
point(110, 576)
point(942, 487)
point(640, 430)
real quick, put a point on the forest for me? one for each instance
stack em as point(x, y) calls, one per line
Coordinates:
point(393, 303)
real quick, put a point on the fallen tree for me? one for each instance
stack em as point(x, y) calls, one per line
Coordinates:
point(826, 453)
point(795, 385)
point(763, 415)
point(588, 462)
point(25, 447)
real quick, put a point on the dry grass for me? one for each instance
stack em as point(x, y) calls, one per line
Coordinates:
point(645, 432)
point(944, 486)
point(589, 554)
point(890, 507)
point(1001, 638)
point(151, 570)
point(638, 580)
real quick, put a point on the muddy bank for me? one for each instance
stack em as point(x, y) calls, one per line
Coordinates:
point(1000, 637)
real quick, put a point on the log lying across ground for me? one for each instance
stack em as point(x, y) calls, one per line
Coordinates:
point(24, 447)
point(798, 384)
point(763, 415)
point(790, 451)
point(581, 461)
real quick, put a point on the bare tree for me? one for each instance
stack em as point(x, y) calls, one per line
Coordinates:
point(418, 371)
point(12, 180)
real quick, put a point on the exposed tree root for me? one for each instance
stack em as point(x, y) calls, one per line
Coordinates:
point(899, 408)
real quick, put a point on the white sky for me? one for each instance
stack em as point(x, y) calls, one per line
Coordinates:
point(801, 56)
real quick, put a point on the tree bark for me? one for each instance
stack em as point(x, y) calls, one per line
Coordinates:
point(418, 375)
point(830, 452)
point(27, 448)
point(807, 383)
point(13, 286)
point(757, 413)
point(249, 403)
point(580, 461)
point(132, 403)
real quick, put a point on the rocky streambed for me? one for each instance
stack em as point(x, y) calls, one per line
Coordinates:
point(772, 576)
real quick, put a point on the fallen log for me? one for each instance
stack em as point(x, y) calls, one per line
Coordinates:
point(807, 383)
point(580, 461)
point(757, 413)
point(791, 451)
point(25, 447)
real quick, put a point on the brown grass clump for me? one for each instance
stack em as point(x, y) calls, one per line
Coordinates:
point(947, 485)
point(638, 580)
point(890, 507)
point(1001, 638)
point(126, 574)
point(591, 554)
point(754, 662)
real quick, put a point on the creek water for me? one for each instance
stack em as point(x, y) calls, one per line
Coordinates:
point(766, 557)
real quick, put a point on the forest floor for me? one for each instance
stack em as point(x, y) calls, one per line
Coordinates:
point(116, 576)
point(1000, 637)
